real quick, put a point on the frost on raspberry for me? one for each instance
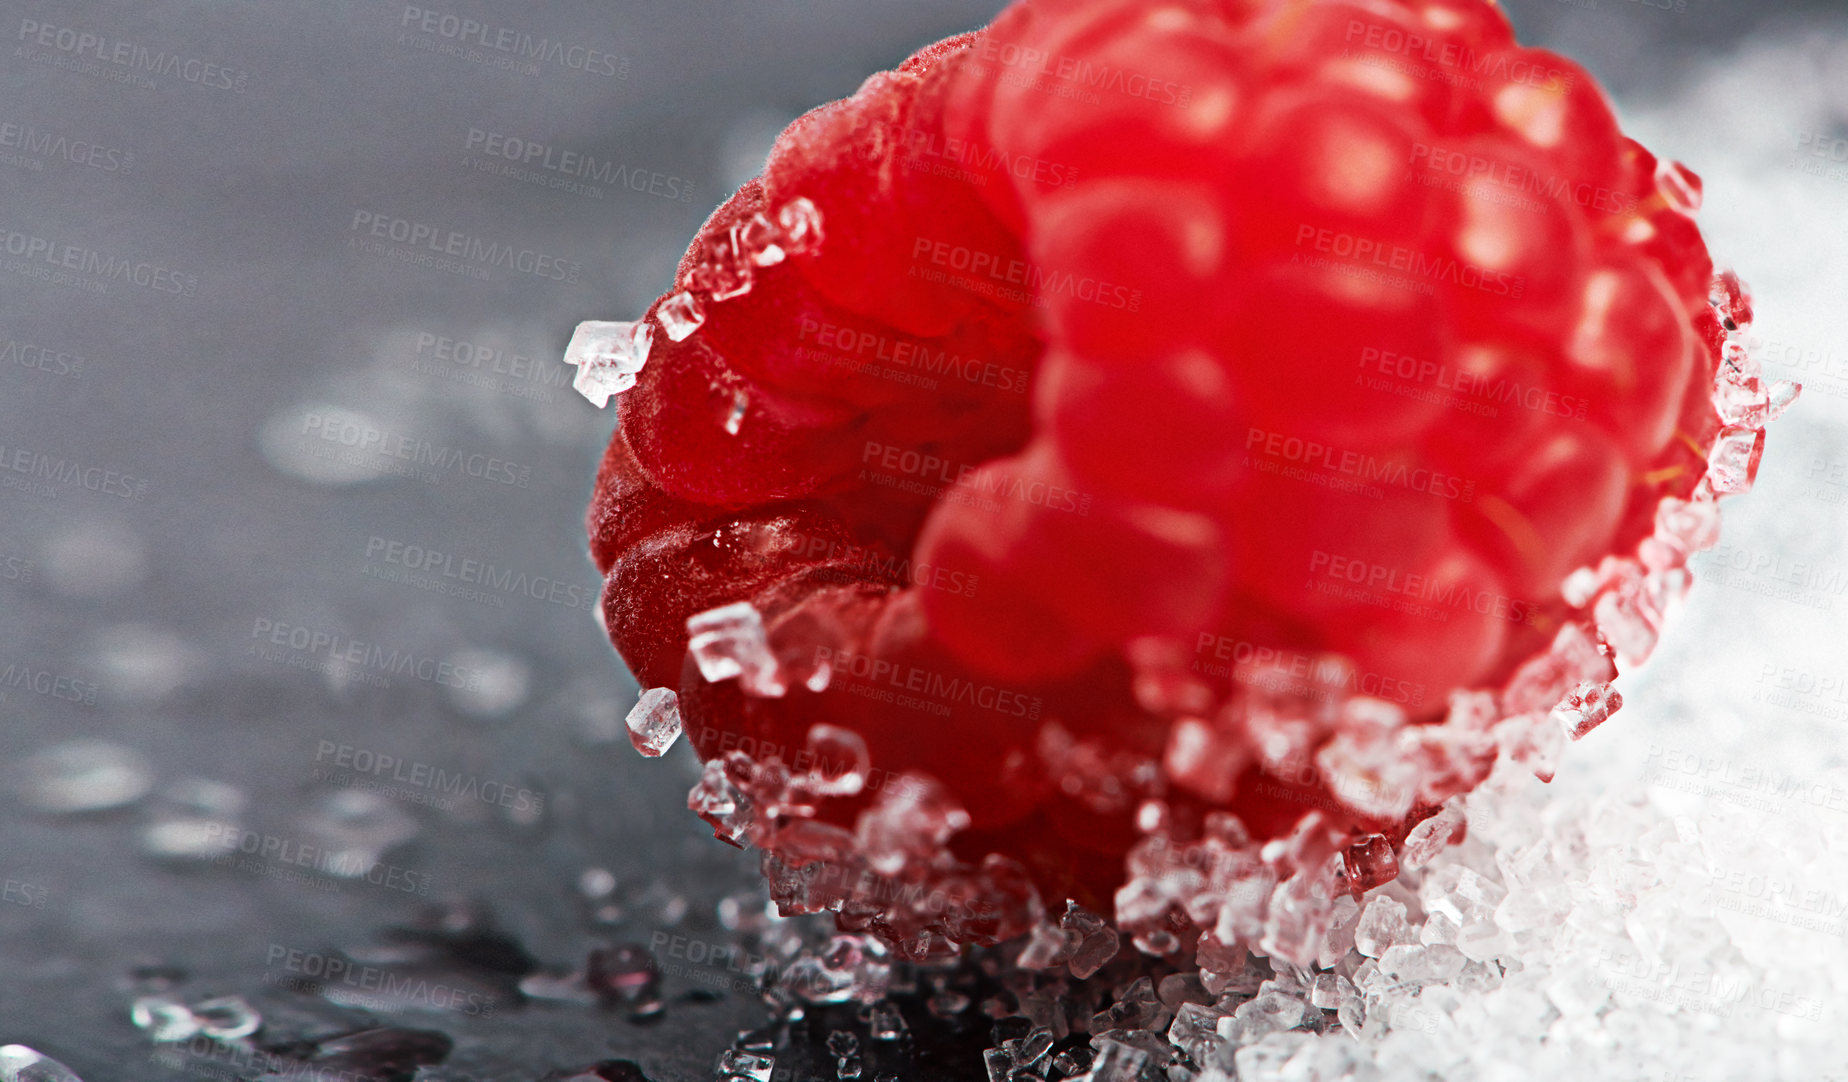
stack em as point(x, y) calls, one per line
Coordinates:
point(1161, 459)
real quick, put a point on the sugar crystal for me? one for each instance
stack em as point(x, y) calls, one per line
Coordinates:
point(800, 222)
point(734, 1063)
point(730, 641)
point(1733, 463)
point(680, 315)
point(608, 356)
point(1587, 707)
point(654, 722)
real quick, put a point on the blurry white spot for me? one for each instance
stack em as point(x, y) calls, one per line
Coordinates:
point(320, 443)
point(1536, 114)
point(143, 662)
point(354, 828)
point(1202, 244)
point(95, 559)
point(1639, 231)
point(83, 776)
point(1375, 79)
point(492, 683)
point(1440, 18)
point(1211, 110)
point(1588, 339)
point(1487, 237)
point(1169, 20)
point(1357, 167)
point(596, 882)
point(1203, 376)
point(191, 820)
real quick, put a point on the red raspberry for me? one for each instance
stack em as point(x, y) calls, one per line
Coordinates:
point(1181, 398)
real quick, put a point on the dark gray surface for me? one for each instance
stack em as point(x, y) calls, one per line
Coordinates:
point(254, 190)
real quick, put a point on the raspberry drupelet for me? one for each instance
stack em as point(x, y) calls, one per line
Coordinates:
point(1139, 449)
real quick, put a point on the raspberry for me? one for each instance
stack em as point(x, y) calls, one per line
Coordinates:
point(1185, 412)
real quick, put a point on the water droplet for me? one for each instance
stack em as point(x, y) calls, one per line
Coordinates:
point(226, 1018)
point(163, 1019)
point(21, 1064)
point(354, 828)
point(310, 442)
point(144, 663)
point(191, 818)
point(83, 776)
point(596, 883)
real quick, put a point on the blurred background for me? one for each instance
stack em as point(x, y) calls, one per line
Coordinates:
point(227, 624)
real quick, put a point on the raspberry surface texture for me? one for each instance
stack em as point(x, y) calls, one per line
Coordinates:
point(1139, 449)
